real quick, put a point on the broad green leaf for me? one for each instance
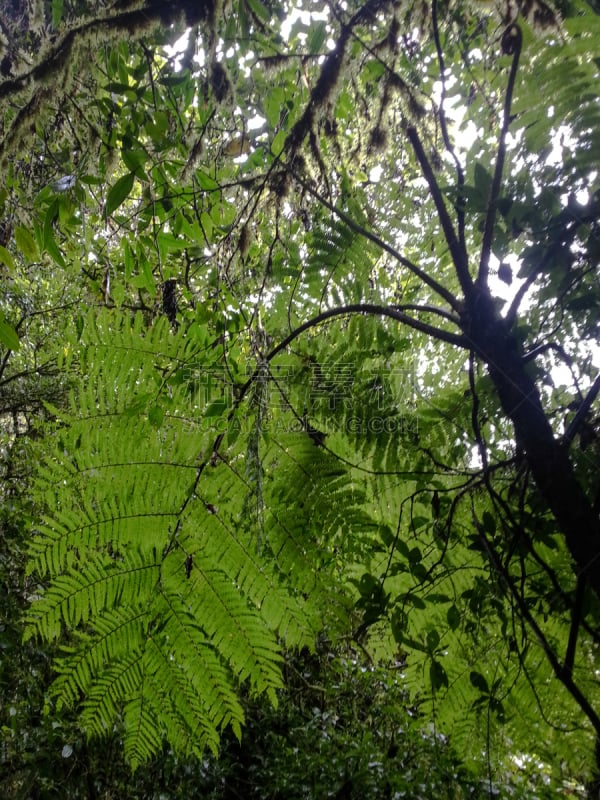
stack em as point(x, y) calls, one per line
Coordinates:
point(216, 409)
point(207, 224)
point(134, 160)
point(483, 180)
point(437, 675)
point(7, 259)
point(205, 181)
point(8, 335)
point(50, 244)
point(157, 128)
point(273, 105)
point(118, 193)
point(57, 13)
point(50, 217)
point(147, 273)
point(433, 640)
point(373, 70)
point(316, 37)
point(156, 415)
point(261, 11)
point(479, 682)
point(278, 143)
point(489, 522)
point(128, 258)
point(26, 243)
point(453, 617)
point(138, 281)
point(53, 250)
point(117, 293)
point(399, 624)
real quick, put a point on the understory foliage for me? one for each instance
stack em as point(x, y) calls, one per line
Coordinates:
point(310, 297)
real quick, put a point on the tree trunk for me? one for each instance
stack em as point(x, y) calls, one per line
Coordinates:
point(547, 457)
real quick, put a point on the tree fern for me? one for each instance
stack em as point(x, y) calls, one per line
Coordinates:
point(169, 598)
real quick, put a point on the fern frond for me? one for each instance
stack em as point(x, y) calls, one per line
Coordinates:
point(79, 594)
point(340, 259)
point(154, 570)
point(574, 102)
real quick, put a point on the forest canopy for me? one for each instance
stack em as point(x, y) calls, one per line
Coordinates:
point(299, 337)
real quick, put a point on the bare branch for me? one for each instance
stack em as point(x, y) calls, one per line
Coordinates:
point(460, 177)
point(457, 250)
point(512, 41)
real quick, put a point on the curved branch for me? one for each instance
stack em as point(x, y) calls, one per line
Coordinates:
point(426, 308)
point(356, 308)
point(376, 310)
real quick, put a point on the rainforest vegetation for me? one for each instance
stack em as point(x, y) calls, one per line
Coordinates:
point(299, 419)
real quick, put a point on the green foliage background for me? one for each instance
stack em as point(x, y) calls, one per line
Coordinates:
point(246, 395)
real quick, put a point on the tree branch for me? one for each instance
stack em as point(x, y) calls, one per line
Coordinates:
point(394, 312)
point(543, 348)
point(56, 60)
point(582, 411)
point(566, 223)
point(512, 41)
point(457, 250)
point(426, 308)
point(440, 290)
point(155, 11)
point(329, 75)
point(560, 672)
point(576, 615)
point(460, 177)
point(367, 308)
